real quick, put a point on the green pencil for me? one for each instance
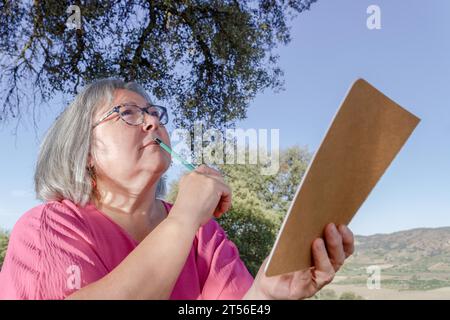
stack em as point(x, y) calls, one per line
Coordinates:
point(185, 163)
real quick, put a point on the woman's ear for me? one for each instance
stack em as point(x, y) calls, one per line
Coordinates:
point(90, 161)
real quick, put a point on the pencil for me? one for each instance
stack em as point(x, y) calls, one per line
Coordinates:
point(185, 163)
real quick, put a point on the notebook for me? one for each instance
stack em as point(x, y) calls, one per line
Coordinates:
point(365, 135)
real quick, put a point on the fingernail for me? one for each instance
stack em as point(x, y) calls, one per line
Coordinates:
point(320, 245)
point(334, 230)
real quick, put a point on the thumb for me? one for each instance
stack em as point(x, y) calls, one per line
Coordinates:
point(261, 269)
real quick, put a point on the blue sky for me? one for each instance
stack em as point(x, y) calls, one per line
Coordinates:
point(408, 59)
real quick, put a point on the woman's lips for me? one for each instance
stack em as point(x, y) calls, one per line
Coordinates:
point(150, 143)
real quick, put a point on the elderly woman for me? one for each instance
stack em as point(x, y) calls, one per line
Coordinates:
point(103, 232)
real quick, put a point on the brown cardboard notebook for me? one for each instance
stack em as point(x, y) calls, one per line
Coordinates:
point(365, 135)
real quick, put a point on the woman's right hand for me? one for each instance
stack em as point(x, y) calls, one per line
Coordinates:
point(202, 194)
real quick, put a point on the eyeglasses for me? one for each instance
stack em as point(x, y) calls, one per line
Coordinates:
point(134, 115)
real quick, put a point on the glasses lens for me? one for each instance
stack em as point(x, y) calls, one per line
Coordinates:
point(158, 112)
point(131, 114)
point(162, 114)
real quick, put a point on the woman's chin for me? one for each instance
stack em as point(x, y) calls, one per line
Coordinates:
point(156, 157)
point(156, 169)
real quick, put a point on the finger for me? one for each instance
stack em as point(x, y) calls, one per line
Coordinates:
point(210, 173)
point(320, 257)
point(215, 172)
point(224, 202)
point(262, 267)
point(202, 169)
point(208, 170)
point(335, 248)
point(348, 240)
point(217, 178)
point(223, 206)
point(323, 269)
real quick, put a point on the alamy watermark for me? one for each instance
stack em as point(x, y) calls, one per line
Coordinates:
point(374, 20)
point(74, 278)
point(74, 20)
point(374, 279)
point(232, 146)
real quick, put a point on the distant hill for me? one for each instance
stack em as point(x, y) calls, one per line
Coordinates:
point(4, 237)
point(417, 259)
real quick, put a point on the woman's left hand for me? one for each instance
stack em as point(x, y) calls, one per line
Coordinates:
point(328, 257)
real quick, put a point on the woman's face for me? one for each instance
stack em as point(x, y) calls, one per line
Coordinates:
point(122, 154)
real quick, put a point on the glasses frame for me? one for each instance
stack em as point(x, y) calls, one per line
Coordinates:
point(143, 111)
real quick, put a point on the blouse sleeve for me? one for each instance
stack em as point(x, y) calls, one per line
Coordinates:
point(221, 270)
point(50, 255)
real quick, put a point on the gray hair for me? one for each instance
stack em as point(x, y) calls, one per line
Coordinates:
point(62, 165)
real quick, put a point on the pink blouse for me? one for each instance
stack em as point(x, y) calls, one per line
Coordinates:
point(57, 248)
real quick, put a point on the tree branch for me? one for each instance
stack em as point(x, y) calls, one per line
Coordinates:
point(137, 58)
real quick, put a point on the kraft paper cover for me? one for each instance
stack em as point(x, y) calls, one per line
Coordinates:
point(365, 135)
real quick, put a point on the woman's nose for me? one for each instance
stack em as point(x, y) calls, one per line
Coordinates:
point(150, 122)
